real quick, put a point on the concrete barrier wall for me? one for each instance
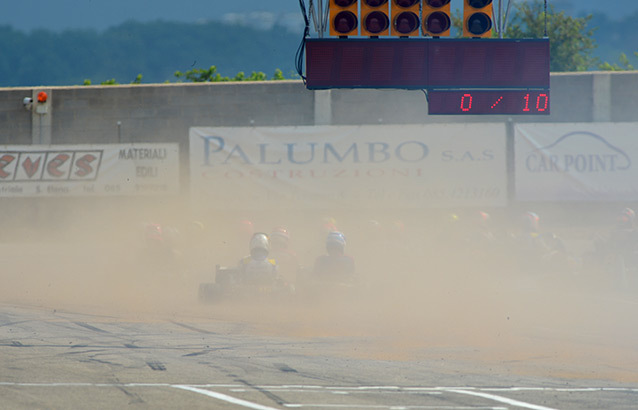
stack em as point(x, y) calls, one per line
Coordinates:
point(164, 112)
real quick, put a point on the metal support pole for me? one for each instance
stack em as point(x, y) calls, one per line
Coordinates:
point(500, 18)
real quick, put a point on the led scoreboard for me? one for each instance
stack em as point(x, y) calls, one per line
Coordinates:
point(511, 102)
point(461, 76)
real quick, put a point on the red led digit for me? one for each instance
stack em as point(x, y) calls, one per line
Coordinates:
point(538, 102)
point(526, 102)
point(469, 105)
point(494, 102)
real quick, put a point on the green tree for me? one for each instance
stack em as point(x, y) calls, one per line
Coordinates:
point(622, 65)
point(571, 42)
point(202, 75)
point(279, 75)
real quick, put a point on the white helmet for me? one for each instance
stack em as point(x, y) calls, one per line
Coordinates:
point(336, 241)
point(259, 246)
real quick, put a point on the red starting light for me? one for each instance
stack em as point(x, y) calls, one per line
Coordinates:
point(436, 18)
point(405, 18)
point(344, 18)
point(42, 97)
point(376, 18)
point(477, 18)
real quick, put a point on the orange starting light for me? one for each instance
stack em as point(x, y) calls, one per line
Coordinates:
point(42, 97)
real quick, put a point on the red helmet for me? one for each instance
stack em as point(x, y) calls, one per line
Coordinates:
point(246, 227)
point(531, 222)
point(154, 232)
point(280, 232)
point(484, 219)
point(627, 218)
point(279, 237)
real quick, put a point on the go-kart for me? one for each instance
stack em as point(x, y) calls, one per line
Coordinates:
point(231, 284)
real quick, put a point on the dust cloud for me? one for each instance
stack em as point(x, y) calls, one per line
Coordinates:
point(431, 284)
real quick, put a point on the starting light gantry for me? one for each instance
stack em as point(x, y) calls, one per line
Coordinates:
point(402, 44)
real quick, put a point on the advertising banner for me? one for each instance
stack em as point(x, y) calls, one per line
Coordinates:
point(350, 167)
point(85, 170)
point(576, 162)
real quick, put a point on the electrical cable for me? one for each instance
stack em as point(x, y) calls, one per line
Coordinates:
point(427, 97)
point(302, 46)
point(545, 15)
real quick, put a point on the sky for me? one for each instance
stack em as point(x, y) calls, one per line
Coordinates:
point(58, 15)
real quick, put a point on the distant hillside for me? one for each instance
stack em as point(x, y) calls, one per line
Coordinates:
point(237, 42)
point(156, 50)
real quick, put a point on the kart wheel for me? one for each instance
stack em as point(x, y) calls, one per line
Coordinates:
point(207, 292)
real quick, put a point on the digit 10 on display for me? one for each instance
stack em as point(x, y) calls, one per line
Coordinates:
point(476, 102)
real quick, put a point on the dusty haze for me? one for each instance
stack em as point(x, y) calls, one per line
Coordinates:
point(424, 285)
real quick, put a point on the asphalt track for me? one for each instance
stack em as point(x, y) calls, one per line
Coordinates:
point(144, 349)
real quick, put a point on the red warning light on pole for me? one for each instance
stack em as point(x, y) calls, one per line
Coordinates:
point(42, 97)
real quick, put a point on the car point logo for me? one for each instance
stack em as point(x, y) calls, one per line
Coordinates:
point(66, 165)
point(553, 159)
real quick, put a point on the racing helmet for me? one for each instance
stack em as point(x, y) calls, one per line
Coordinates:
point(245, 227)
point(154, 232)
point(531, 222)
point(335, 242)
point(627, 219)
point(484, 220)
point(329, 224)
point(280, 238)
point(259, 246)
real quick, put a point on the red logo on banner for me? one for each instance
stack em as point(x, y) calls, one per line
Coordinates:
point(49, 165)
point(54, 165)
point(4, 161)
point(31, 167)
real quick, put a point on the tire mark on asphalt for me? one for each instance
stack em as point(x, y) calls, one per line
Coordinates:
point(285, 368)
point(15, 323)
point(16, 343)
point(156, 366)
point(272, 396)
point(131, 346)
point(135, 398)
point(84, 351)
point(197, 353)
point(93, 360)
point(193, 328)
point(90, 327)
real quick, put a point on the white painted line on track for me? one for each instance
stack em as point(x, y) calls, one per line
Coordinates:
point(311, 388)
point(224, 397)
point(502, 399)
point(483, 392)
point(373, 406)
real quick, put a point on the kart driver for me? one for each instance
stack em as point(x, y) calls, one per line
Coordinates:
point(285, 257)
point(335, 265)
point(257, 269)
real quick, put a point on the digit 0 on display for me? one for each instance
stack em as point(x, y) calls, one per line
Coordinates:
point(482, 102)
